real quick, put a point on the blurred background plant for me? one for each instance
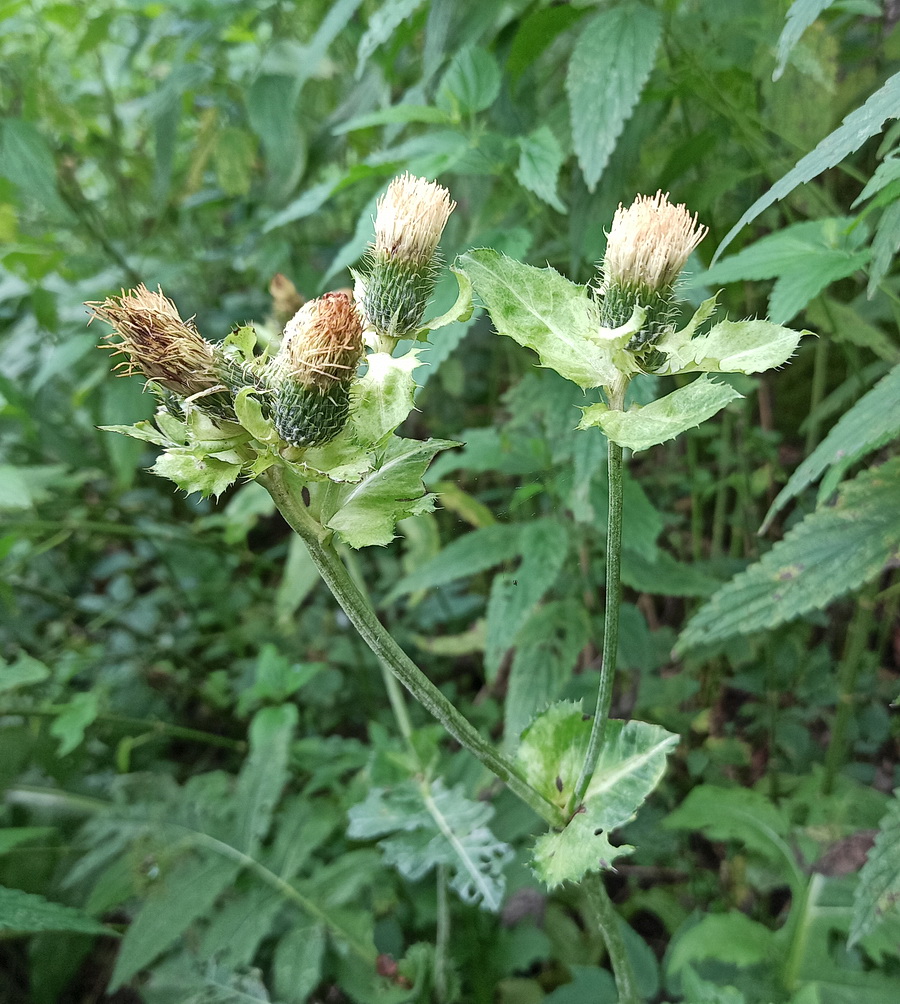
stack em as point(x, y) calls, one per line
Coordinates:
point(190, 731)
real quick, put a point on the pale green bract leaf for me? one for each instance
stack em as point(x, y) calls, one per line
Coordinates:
point(662, 419)
point(342, 461)
point(206, 475)
point(731, 347)
point(367, 513)
point(610, 64)
point(542, 310)
point(461, 309)
point(384, 396)
point(631, 764)
point(144, 431)
point(250, 414)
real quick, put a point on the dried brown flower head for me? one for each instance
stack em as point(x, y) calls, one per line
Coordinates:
point(322, 342)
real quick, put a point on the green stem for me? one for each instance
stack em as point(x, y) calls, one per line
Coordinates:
point(615, 466)
point(380, 641)
point(442, 936)
point(608, 923)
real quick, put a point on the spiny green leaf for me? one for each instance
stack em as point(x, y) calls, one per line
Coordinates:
point(610, 64)
point(367, 513)
point(192, 473)
point(542, 310)
point(27, 913)
point(383, 397)
point(834, 550)
point(662, 419)
point(878, 891)
point(731, 347)
point(856, 128)
point(873, 421)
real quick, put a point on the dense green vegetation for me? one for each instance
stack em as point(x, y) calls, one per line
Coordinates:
point(211, 793)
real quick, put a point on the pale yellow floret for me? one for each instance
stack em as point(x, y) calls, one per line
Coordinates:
point(649, 243)
point(410, 219)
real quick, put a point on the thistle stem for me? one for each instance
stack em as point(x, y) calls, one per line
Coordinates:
point(374, 634)
point(608, 923)
point(615, 466)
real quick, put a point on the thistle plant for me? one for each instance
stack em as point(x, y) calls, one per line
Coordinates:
point(316, 426)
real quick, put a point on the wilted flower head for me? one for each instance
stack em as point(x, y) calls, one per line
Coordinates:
point(649, 244)
point(314, 369)
point(410, 219)
point(149, 332)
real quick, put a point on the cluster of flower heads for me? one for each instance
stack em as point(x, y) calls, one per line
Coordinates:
point(306, 386)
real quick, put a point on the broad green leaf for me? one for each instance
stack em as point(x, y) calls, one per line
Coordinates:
point(610, 64)
point(180, 896)
point(471, 83)
point(383, 397)
point(846, 324)
point(544, 547)
point(801, 15)
point(542, 310)
point(191, 473)
point(632, 762)
point(424, 825)
point(27, 161)
point(305, 204)
point(297, 966)
point(540, 158)
point(367, 513)
point(25, 671)
point(856, 128)
point(264, 774)
point(871, 423)
point(14, 493)
point(663, 575)
point(885, 245)
point(27, 913)
point(12, 836)
point(271, 102)
point(239, 925)
point(547, 648)
point(383, 25)
point(831, 552)
point(731, 347)
point(663, 419)
point(69, 726)
point(726, 937)
point(878, 893)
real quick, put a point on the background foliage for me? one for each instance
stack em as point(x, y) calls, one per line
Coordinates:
point(194, 743)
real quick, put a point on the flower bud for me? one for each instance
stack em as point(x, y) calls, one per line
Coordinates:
point(647, 247)
point(314, 369)
point(402, 268)
point(170, 352)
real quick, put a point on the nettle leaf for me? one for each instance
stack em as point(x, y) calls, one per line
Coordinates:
point(878, 891)
point(612, 58)
point(726, 937)
point(424, 825)
point(542, 310)
point(540, 158)
point(471, 83)
point(663, 419)
point(856, 128)
point(731, 347)
point(800, 16)
point(871, 423)
point(192, 473)
point(367, 513)
point(27, 913)
point(831, 552)
point(383, 397)
point(551, 755)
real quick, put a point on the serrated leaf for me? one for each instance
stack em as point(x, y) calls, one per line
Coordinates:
point(69, 726)
point(856, 128)
point(383, 398)
point(367, 513)
point(731, 347)
point(542, 310)
point(726, 937)
point(178, 899)
point(631, 764)
point(264, 774)
point(383, 23)
point(871, 423)
point(878, 891)
point(425, 825)
point(801, 15)
point(27, 913)
point(610, 64)
point(191, 473)
point(540, 158)
point(832, 551)
point(663, 419)
point(471, 83)
point(885, 245)
point(144, 431)
point(297, 966)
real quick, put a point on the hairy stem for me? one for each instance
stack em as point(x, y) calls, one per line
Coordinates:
point(364, 619)
point(608, 924)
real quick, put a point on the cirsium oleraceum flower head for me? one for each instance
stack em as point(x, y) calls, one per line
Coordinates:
point(150, 333)
point(649, 244)
point(322, 342)
point(410, 218)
